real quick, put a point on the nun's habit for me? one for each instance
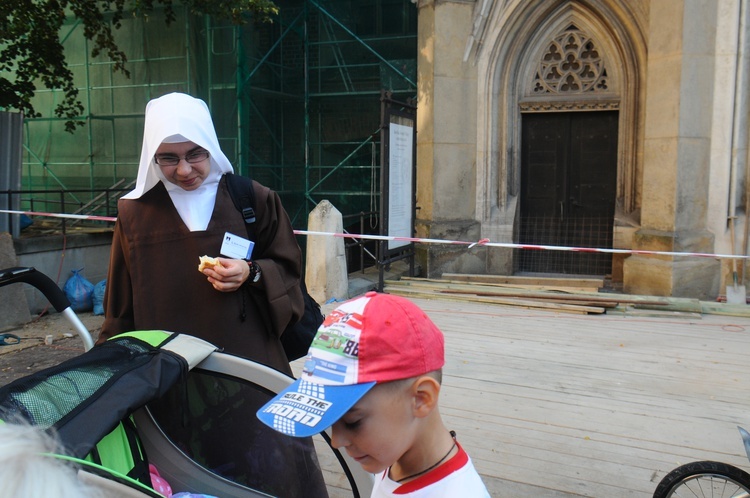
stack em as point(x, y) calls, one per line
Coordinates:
point(162, 230)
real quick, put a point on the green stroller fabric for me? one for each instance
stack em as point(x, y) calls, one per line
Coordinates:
point(85, 398)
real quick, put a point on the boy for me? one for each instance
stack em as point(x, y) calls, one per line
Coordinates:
point(373, 372)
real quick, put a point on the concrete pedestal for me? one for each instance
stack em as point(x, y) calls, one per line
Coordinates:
point(325, 270)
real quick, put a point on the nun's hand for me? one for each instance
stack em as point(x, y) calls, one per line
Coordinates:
point(229, 276)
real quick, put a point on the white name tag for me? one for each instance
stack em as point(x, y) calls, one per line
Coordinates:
point(236, 247)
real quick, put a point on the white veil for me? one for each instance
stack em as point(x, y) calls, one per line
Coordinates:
point(177, 117)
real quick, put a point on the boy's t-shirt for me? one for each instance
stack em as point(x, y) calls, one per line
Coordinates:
point(456, 477)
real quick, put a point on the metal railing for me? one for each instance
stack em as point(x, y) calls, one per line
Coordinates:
point(99, 202)
point(360, 253)
point(366, 251)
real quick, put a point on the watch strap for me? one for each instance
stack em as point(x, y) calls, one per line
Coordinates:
point(255, 272)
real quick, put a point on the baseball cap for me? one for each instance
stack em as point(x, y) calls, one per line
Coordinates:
point(370, 339)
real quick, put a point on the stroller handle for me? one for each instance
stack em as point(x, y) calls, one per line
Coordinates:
point(53, 293)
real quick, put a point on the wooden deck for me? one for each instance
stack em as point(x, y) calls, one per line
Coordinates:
point(558, 405)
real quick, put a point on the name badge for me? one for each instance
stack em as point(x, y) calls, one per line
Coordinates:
point(236, 247)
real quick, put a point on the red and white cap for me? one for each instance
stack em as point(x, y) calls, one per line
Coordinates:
point(370, 339)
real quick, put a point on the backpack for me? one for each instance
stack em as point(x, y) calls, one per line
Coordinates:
point(297, 337)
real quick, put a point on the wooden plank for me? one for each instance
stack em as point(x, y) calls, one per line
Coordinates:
point(512, 279)
point(527, 303)
point(653, 313)
point(645, 302)
point(741, 310)
point(560, 288)
point(453, 284)
point(495, 291)
point(683, 305)
point(611, 300)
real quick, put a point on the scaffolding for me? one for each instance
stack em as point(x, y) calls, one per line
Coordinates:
point(296, 103)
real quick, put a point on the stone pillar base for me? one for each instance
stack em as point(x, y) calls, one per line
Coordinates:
point(694, 277)
point(436, 259)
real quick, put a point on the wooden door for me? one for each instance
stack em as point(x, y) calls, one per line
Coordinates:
point(568, 190)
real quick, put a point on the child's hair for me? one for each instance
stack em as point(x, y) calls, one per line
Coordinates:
point(397, 384)
point(28, 468)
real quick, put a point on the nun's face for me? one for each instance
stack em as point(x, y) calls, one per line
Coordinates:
point(185, 164)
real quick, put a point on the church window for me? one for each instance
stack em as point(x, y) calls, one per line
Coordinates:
point(570, 64)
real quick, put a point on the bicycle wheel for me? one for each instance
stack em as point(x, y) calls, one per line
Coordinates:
point(704, 479)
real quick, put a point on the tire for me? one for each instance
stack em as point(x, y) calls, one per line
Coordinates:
point(704, 479)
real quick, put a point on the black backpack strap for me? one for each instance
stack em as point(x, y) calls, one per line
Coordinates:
point(140, 471)
point(297, 337)
point(243, 196)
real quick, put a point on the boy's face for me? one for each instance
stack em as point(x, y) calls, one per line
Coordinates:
point(379, 429)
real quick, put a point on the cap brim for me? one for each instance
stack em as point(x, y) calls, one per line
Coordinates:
point(304, 409)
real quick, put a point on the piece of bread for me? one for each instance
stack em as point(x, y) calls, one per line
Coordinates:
point(207, 262)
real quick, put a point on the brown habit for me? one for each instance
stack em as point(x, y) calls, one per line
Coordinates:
point(154, 283)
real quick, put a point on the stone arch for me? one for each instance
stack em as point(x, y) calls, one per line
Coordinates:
point(514, 39)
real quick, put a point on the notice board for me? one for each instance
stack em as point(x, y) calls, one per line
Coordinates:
point(398, 174)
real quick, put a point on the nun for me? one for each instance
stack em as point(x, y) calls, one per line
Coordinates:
point(180, 210)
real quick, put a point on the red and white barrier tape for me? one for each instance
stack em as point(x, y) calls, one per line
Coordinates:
point(419, 240)
point(62, 215)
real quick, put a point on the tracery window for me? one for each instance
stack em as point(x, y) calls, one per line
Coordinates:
point(571, 64)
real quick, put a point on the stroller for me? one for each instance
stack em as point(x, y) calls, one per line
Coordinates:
point(169, 401)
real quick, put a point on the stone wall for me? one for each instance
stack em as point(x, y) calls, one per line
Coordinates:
point(57, 255)
point(14, 309)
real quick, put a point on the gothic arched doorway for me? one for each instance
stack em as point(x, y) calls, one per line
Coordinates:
point(569, 157)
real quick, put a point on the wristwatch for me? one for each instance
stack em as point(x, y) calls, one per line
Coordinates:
point(254, 276)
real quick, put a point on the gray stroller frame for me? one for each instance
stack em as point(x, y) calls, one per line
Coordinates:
point(170, 429)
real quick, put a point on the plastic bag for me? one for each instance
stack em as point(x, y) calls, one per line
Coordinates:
point(25, 221)
point(79, 292)
point(98, 298)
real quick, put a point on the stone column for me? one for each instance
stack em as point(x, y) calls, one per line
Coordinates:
point(326, 275)
point(677, 143)
point(446, 138)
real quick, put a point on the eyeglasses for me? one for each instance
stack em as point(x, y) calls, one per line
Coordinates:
point(192, 157)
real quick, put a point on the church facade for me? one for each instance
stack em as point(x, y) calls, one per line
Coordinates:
point(616, 124)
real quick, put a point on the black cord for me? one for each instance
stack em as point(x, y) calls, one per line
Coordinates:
point(453, 435)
